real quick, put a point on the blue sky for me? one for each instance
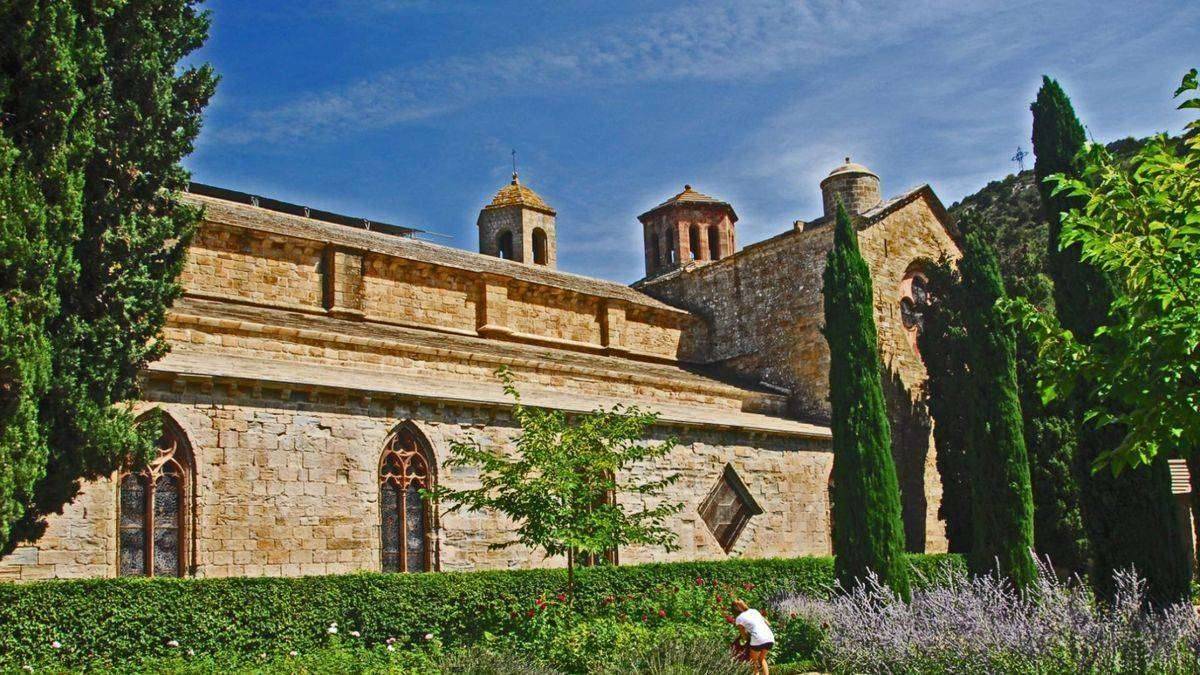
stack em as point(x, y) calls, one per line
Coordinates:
point(405, 110)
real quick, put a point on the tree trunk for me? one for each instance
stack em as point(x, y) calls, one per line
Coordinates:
point(571, 578)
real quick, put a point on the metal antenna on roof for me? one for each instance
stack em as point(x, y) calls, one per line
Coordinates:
point(514, 158)
point(1019, 158)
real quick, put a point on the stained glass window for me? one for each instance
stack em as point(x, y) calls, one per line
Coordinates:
point(404, 515)
point(153, 509)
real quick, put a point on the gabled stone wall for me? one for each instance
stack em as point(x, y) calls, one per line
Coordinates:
point(764, 311)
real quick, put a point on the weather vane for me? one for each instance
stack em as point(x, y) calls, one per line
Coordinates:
point(514, 158)
point(1019, 158)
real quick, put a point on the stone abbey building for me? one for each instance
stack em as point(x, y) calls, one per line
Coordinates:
point(321, 366)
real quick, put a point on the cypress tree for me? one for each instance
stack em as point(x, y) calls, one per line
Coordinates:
point(95, 114)
point(1001, 496)
point(942, 341)
point(1130, 518)
point(868, 534)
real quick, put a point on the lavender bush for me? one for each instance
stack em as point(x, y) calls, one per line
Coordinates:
point(964, 624)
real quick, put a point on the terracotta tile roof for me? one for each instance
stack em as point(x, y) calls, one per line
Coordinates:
point(515, 194)
point(690, 196)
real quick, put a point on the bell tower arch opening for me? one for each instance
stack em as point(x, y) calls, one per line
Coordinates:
point(694, 227)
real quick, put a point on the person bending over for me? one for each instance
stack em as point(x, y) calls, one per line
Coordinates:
point(756, 632)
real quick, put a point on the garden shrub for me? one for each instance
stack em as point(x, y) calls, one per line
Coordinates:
point(106, 622)
point(798, 640)
point(972, 624)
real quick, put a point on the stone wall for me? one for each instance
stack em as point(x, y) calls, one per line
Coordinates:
point(286, 483)
point(764, 312)
point(252, 256)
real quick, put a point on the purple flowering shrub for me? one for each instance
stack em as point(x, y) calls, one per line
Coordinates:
point(965, 624)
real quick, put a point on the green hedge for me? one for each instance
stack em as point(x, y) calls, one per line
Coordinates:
point(123, 621)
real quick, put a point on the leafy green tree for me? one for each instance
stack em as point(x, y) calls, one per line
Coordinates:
point(95, 113)
point(1107, 211)
point(868, 534)
point(563, 485)
point(1001, 496)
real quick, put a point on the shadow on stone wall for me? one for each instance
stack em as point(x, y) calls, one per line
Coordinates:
point(911, 426)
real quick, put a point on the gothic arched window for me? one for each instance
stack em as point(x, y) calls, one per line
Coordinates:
point(405, 517)
point(504, 245)
point(606, 499)
point(153, 513)
point(539, 246)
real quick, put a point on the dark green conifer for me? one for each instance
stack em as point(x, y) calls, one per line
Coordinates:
point(942, 341)
point(868, 534)
point(1001, 497)
point(95, 113)
point(1130, 518)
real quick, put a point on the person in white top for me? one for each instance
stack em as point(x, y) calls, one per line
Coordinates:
point(757, 633)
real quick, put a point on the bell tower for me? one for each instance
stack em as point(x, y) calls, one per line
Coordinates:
point(854, 184)
point(518, 225)
point(691, 226)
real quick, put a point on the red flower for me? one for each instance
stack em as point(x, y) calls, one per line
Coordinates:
point(793, 615)
point(662, 613)
point(644, 617)
point(687, 613)
point(532, 612)
point(747, 585)
point(699, 581)
point(718, 598)
point(562, 597)
point(728, 619)
point(512, 615)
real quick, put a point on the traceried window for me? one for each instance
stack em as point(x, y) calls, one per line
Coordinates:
point(610, 556)
point(728, 507)
point(405, 516)
point(914, 303)
point(153, 510)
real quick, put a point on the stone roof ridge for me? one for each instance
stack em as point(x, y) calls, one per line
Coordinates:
point(516, 194)
point(422, 251)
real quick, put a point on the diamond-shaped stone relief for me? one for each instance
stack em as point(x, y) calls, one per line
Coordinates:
point(728, 507)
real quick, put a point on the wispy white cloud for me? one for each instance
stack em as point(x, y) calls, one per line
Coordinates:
point(717, 40)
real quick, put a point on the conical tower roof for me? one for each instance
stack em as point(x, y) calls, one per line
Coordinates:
point(691, 197)
point(515, 194)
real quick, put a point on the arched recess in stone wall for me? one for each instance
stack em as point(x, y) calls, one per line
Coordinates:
point(908, 411)
point(156, 508)
point(504, 244)
point(408, 522)
point(540, 254)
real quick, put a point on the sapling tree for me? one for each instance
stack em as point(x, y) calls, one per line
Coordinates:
point(567, 482)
